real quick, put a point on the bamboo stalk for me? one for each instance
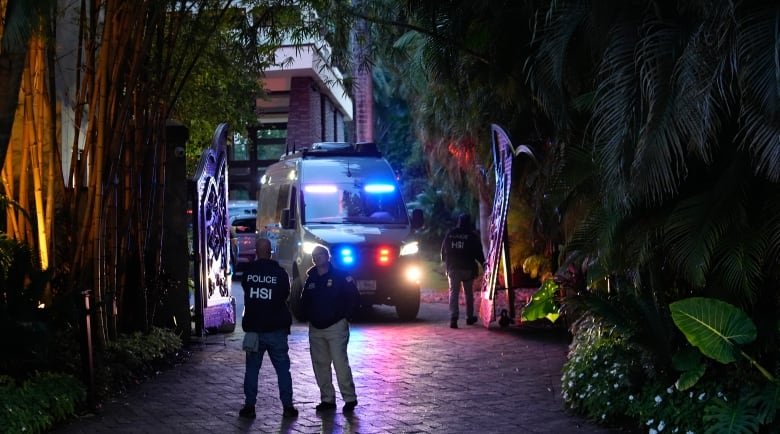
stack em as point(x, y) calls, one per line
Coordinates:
point(25, 232)
point(36, 151)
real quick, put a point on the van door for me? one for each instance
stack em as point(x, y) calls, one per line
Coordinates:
point(287, 242)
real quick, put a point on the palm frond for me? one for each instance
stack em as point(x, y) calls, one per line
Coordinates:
point(694, 227)
point(759, 80)
point(546, 71)
point(698, 86)
point(596, 234)
point(658, 163)
point(758, 42)
point(615, 112)
point(738, 266)
point(772, 226)
point(636, 316)
point(761, 137)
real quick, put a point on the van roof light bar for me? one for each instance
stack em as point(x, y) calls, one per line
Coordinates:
point(335, 149)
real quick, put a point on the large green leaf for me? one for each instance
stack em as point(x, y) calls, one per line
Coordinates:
point(713, 326)
point(542, 304)
point(688, 362)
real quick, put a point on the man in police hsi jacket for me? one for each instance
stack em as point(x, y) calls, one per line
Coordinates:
point(266, 322)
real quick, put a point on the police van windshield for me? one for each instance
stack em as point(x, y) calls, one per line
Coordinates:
point(353, 203)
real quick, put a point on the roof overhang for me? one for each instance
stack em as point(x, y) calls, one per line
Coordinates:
point(307, 61)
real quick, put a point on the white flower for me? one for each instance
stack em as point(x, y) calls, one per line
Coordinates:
point(595, 357)
point(581, 375)
point(603, 416)
point(650, 422)
point(609, 403)
point(661, 426)
point(652, 431)
point(571, 384)
point(669, 390)
point(615, 386)
point(596, 375)
point(620, 376)
point(630, 397)
point(658, 399)
point(702, 396)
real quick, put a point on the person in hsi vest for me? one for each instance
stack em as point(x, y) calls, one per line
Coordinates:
point(461, 250)
point(328, 302)
point(267, 322)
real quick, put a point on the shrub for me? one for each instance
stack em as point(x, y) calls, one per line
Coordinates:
point(130, 358)
point(611, 381)
point(47, 398)
point(664, 408)
point(40, 402)
point(600, 373)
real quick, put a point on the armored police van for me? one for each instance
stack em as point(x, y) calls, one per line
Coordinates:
point(344, 197)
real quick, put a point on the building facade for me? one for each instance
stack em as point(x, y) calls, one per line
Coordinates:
point(306, 103)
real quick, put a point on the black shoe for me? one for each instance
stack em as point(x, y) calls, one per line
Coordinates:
point(322, 406)
point(349, 407)
point(454, 324)
point(247, 412)
point(290, 412)
point(471, 320)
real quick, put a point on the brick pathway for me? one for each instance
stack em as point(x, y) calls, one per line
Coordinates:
point(411, 377)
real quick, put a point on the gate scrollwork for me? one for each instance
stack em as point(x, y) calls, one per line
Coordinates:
point(214, 305)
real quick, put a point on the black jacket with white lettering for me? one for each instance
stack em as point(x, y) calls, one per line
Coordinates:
point(329, 298)
point(266, 290)
point(462, 250)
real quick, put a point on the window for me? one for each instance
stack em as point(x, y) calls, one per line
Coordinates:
point(275, 198)
point(351, 203)
point(270, 141)
point(239, 151)
point(244, 225)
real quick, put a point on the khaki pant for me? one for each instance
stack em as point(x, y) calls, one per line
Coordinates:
point(328, 347)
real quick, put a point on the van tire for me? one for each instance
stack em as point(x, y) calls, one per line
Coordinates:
point(408, 306)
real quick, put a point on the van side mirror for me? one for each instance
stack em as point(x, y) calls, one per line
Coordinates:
point(417, 219)
point(287, 221)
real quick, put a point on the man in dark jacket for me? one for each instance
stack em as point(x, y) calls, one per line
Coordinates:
point(329, 300)
point(267, 322)
point(461, 250)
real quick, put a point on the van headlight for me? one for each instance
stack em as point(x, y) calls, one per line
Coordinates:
point(309, 247)
point(413, 273)
point(410, 248)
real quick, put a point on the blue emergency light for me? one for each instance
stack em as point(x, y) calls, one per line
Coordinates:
point(347, 256)
point(379, 188)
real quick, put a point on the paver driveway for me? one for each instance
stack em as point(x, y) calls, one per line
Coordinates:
point(411, 377)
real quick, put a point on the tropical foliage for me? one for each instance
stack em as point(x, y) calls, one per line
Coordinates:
point(656, 173)
point(655, 125)
point(91, 180)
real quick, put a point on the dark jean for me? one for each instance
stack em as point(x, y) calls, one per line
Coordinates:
point(457, 278)
point(276, 344)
